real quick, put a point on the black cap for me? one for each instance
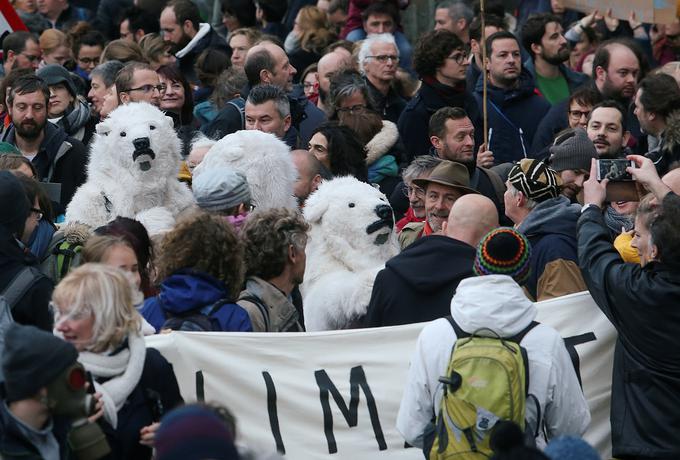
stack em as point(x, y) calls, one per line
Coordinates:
point(53, 74)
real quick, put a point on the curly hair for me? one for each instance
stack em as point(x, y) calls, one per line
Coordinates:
point(346, 154)
point(205, 243)
point(266, 237)
point(432, 49)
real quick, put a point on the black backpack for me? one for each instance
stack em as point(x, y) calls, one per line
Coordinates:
point(199, 320)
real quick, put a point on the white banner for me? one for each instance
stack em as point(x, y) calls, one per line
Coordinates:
point(311, 395)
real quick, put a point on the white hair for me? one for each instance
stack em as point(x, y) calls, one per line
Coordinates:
point(368, 43)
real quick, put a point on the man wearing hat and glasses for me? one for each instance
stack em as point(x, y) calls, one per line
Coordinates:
point(534, 203)
point(447, 182)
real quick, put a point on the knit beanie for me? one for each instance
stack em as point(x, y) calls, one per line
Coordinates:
point(15, 204)
point(53, 74)
point(572, 150)
point(504, 251)
point(220, 189)
point(194, 432)
point(32, 359)
point(570, 448)
point(535, 180)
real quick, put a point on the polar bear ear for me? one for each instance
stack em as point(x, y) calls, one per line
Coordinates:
point(315, 209)
point(103, 128)
point(168, 122)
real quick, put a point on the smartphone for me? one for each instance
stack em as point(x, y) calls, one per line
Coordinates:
point(614, 170)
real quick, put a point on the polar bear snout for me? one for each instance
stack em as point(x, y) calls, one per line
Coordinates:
point(143, 153)
point(386, 219)
point(141, 143)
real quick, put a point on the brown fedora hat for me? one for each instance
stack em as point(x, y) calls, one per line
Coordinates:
point(450, 174)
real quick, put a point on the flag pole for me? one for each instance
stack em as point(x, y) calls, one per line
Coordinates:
point(484, 76)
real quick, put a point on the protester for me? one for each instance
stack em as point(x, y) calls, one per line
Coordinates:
point(413, 287)
point(94, 311)
point(330, 64)
point(20, 50)
point(454, 17)
point(224, 192)
point(644, 379)
point(570, 157)
point(267, 109)
point(240, 41)
point(607, 129)
point(102, 78)
point(311, 172)
point(39, 228)
point(274, 242)
point(492, 24)
point(138, 82)
point(177, 102)
point(349, 92)
point(114, 251)
point(156, 51)
point(309, 37)
point(55, 48)
point(209, 66)
point(61, 15)
point(88, 46)
point(135, 23)
point(225, 102)
point(420, 168)
point(338, 149)
point(122, 50)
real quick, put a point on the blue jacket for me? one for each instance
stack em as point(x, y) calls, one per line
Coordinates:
point(513, 115)
point(186, 290)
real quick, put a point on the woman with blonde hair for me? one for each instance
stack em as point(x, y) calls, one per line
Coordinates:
point(311, 34)
point(114, 251)
point(55, 47)
point(94, 310)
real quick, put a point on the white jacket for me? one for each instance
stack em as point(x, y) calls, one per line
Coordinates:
point(498, 303)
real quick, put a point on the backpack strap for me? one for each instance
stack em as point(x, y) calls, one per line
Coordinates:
point(517, 338)
point(461, 334)
point(240, 104)
point(260, 305)
point(20, 285)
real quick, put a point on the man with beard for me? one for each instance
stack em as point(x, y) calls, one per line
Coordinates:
point(513, 107)
point(20, 50)
point(616, 70)
point(570, 157)
point(329, 64)
point(606, 128)
point(445, 184)
point(57, 157)
point(543, 38)
point(453, 138)
point(188, 37)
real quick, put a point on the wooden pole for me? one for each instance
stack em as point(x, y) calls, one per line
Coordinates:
point(484, 76)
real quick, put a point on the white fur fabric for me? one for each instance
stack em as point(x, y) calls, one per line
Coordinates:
point(342, 258)
point(263, 159)
point(155, 196)
point(382, 142)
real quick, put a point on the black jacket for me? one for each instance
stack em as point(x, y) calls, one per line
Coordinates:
point(61, 159)
point(33, 307)
point(211, 40)
point(642, 304)
point(389, 107)
point(418, 284)
point(14, 445)
point(156, 393)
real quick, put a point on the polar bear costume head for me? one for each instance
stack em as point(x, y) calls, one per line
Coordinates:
point(263, 159)
point(136, 139)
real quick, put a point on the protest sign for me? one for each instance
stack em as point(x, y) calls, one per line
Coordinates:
point(649, 11)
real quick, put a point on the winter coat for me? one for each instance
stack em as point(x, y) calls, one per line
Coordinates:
point(61, 159)
point(574, 79)
point(666, 155)
point(188, 290)
point(33, 308)
point(282, 314)
point(156, 394)
point(388, 107)
point(498, 303)
point(383, 153)
point(205, 38)
point(513, 115)
point(641, 303)
point(551, 230)
point(14, 445)
point(415, 119)
point(417, 285)
point(79, 123)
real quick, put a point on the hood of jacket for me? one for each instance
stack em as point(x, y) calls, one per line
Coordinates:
point(555, 215)
point(526, 88)
point(186, 290)
point(382, 142)
point(493, 301)
point(192, 46)
point(416, 266)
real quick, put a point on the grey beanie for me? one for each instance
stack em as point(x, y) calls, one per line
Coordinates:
point(32, 359)
point(53, 74)
point(572, 150)
point(220, 189)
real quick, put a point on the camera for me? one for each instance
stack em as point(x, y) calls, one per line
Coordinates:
point(614, 170)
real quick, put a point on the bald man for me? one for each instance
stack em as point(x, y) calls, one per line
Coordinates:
point(418, 284)
point(329, 64)
point(310, 174)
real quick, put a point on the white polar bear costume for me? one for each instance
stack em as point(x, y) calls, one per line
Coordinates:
point(351, 237)
point(263, 159)
point(134, 161)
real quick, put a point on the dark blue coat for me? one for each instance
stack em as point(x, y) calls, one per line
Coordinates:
point(185, 291)
point(513, 115)
point(574, 79)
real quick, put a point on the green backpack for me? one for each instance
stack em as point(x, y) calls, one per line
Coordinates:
point(63, 253)
point(487, 381)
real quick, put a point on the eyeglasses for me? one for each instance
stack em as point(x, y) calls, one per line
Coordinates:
point(30, 57)
point(88, 61)
point(147, 88)
point(577, 114)
point(38, 213)
point(409, 189)
point(460, 58)
point(383, 58)
point(354, 109)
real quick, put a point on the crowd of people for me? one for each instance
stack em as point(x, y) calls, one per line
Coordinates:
point(486, 135)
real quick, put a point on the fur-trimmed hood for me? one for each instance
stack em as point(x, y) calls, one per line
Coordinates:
point(382, 143)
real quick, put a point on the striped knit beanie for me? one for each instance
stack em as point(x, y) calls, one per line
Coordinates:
point(504, 251)
point(535, 180)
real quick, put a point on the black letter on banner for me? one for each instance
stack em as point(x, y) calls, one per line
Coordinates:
point(570, 343)
point(357, 378)
point(200, 387)
point(273, 412)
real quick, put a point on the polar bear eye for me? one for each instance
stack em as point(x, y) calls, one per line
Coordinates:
point(152, 127)
point(123, 134)
point(351, 205)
